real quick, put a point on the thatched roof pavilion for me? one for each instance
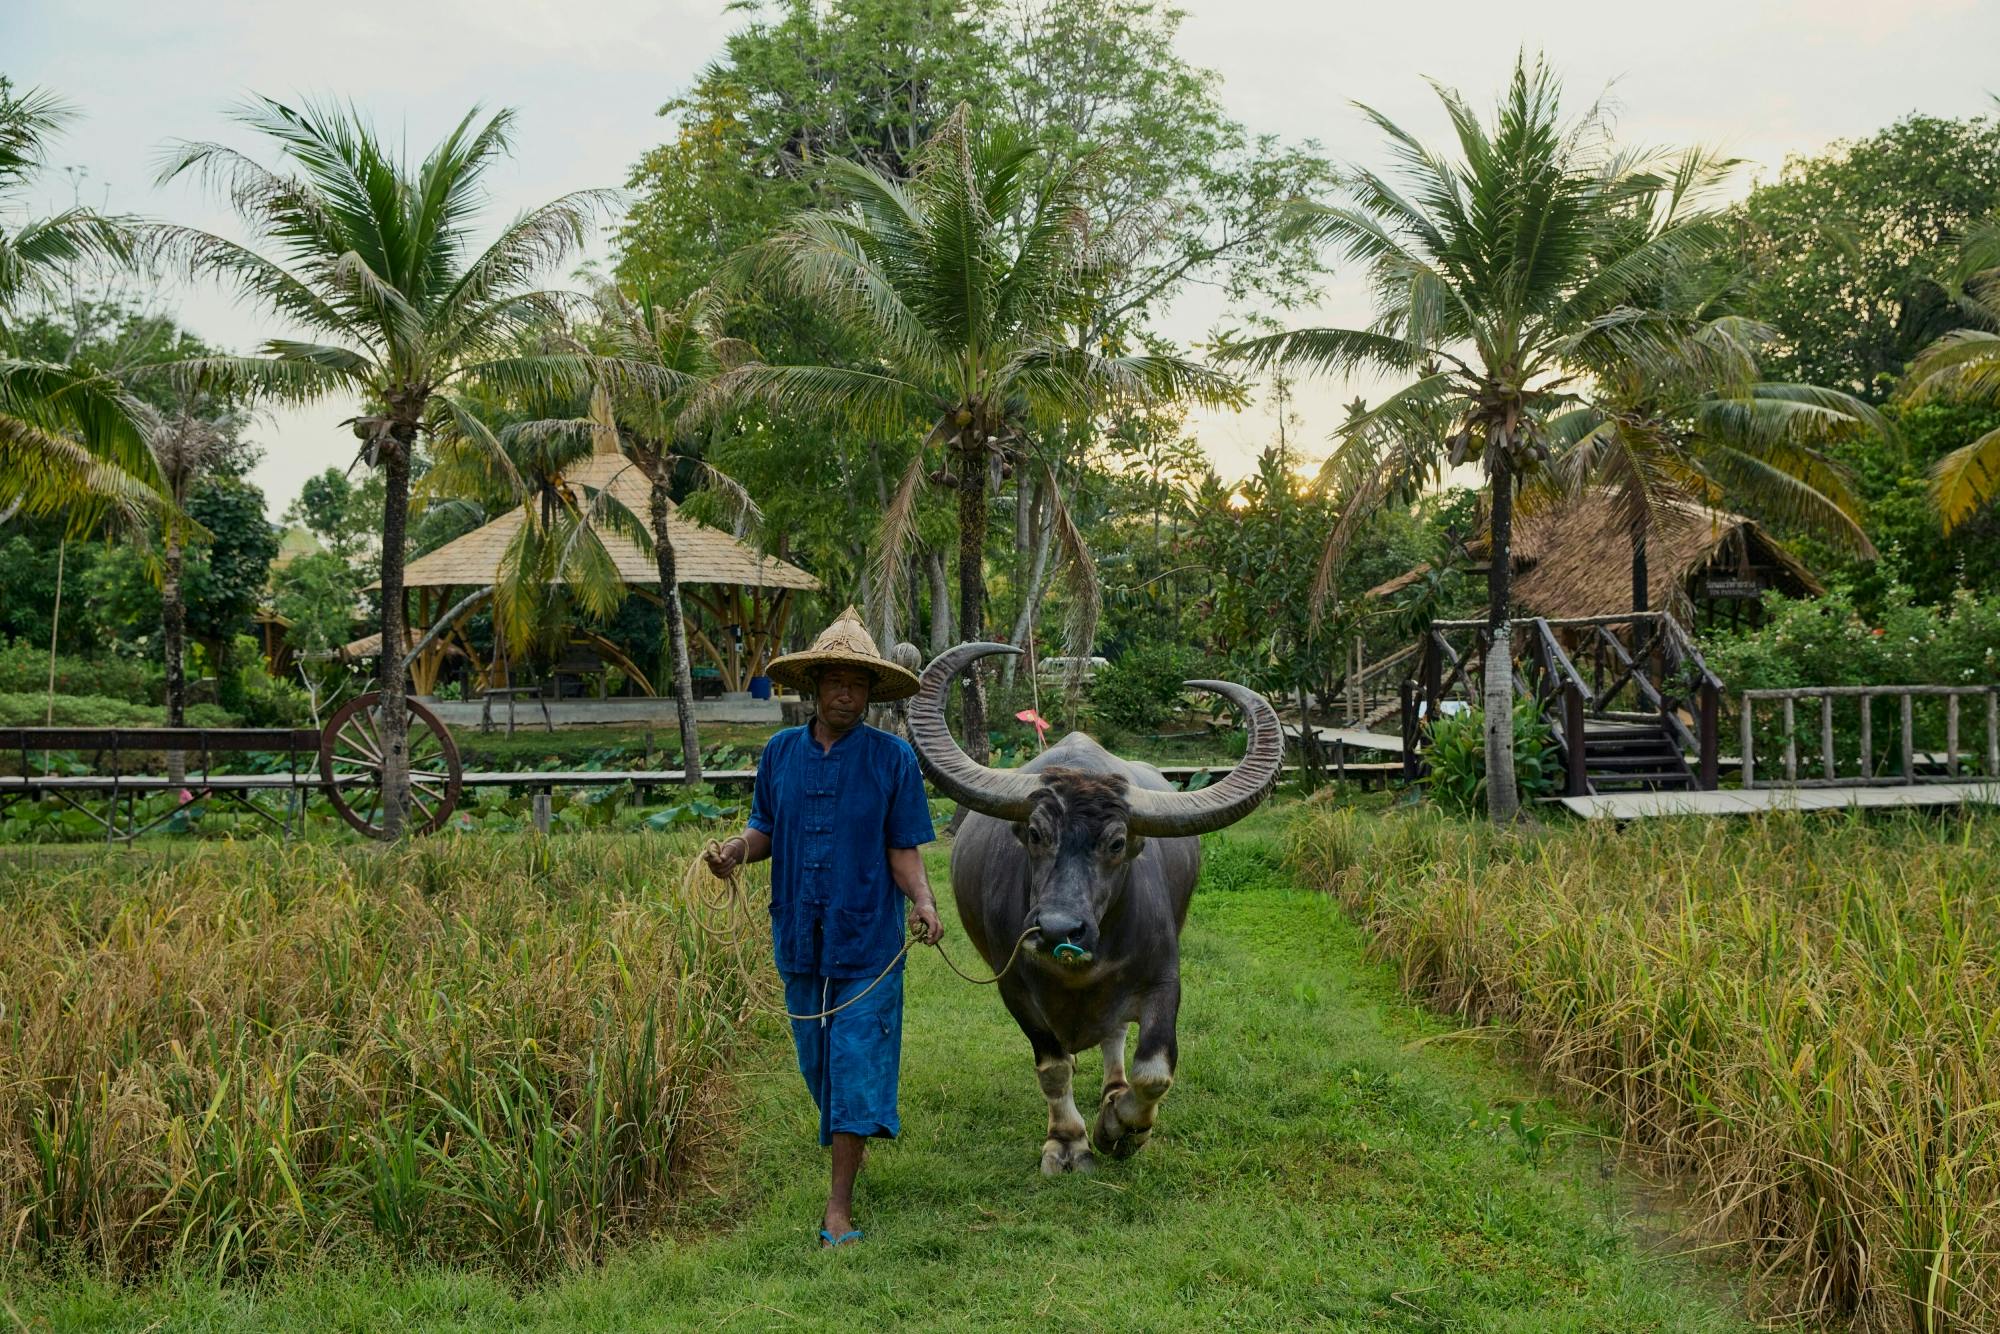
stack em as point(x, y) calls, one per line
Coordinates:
point(745, 595)
point(1701, 564)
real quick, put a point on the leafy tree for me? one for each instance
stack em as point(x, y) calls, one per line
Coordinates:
point(374, 253)
point(1847, 249)
point(317, 594)
point(67, 435)
point(337, 511)
point(967, 317)
point(1497, 278)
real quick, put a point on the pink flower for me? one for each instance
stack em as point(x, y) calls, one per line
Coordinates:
point(186, 796)
point(1040, 723)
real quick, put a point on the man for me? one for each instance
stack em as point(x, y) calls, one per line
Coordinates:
point(840, 810)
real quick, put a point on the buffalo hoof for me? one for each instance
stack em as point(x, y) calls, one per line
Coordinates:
point(1060, 1156)
point(1110, 1135)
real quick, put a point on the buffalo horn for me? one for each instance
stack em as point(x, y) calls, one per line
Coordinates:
point(1178, 814)
point(1005, 794)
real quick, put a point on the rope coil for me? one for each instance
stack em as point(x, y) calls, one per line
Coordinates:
point(694, 889)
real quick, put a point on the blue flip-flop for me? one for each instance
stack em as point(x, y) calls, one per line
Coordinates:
point(841, 1240)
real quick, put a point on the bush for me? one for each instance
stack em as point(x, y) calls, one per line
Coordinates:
point(1829, 641)
point(24, 669)
point(1142, 689)
point(1456, 756)
point(31, 709)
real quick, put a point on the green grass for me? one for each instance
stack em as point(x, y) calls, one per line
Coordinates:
point(1317, 1164)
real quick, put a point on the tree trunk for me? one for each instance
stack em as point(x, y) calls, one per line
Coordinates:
point(173, 636)
point(972, 589)
point(940, 601)
point(1031, 591)
point(1639, 527)
point(677, 638)
point(1503, 799)
point(390, 679)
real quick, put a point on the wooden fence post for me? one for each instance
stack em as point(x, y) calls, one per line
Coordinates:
point(1867, 737)
point(1749, 766)
point(1909, 742)
point(1826, 737)
point(1709, 706)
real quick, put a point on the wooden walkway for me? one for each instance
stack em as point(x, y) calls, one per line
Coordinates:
point(1644, 805)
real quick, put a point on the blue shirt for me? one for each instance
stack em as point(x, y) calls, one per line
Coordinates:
point(832, 816)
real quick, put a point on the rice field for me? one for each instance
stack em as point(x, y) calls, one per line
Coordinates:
point(498, 1050)
point(1797, 1014)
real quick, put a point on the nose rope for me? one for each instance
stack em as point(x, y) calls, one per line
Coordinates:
point(693, 890)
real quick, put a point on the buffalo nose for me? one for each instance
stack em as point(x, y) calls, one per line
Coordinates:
point(1057, 927)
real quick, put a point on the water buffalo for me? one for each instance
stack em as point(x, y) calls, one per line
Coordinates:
point(1093, 860)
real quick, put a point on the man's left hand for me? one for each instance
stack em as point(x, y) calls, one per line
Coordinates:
point(924, 923)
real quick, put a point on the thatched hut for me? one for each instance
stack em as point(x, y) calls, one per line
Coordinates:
point(743, 597)
point(1706, 566)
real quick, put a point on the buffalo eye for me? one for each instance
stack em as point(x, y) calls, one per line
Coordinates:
point(1114, 847)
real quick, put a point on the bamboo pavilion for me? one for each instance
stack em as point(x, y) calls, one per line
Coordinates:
point(743, 598)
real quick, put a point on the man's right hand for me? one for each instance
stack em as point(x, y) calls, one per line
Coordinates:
point(724, 858)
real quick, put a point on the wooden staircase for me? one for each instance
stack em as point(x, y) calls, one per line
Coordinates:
point(1634, 757)
point(1627, 698)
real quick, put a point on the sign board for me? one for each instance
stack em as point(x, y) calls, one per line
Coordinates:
point(1716, 586)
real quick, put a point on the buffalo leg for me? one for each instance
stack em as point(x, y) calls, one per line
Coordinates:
point(1066, 1149)
point(1125, 1117)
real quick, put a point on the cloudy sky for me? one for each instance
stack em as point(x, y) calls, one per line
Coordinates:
point(1759, 78)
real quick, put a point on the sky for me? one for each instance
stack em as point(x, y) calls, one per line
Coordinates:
point(587, 77)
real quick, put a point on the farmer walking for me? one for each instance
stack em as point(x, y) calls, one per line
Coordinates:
point(840, 811)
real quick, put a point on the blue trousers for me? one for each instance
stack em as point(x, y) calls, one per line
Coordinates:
point(850, 1060)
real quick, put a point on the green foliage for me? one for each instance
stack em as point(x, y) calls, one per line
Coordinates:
point(1893, 479)
point(24, 669)
point(1142, 688)
point(340, 514)
point(225, 580)
point(1845, 249)
point(31, 709)
point(1833, 640)
point(1456, 758)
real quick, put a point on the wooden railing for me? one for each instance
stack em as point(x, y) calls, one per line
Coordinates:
point(1644, 660)
point(1908, 765)
point(1542, 671)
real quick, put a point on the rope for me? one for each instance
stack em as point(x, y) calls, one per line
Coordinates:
point(694, 889)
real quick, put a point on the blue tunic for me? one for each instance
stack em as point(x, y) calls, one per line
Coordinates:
point(832, 816)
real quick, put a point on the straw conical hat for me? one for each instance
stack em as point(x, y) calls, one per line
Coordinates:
point(845, 643)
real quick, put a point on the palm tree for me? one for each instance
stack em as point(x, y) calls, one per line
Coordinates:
point(963, 279)
point(1964, 367)
point(71, 441)
point(1705, 425)
point(374, 254)
point(529, 452)
point(1497, 280)
point(658, 425)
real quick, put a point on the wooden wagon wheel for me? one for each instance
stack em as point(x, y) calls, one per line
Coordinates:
point(350, 763)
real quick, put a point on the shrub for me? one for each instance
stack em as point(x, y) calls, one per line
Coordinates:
point(1456, 756)
point(1142, 688)
point(24, 669)
point(1828, 641)
point(31, 709)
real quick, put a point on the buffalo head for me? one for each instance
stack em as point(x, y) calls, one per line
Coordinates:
point(1082, 829)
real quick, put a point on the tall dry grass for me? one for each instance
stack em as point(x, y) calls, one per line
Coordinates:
point(1800, 1014)
point(472, 1048)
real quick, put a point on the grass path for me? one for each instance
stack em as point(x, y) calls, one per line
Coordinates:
point(1312, 1168)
